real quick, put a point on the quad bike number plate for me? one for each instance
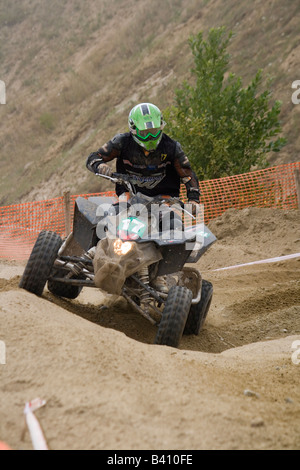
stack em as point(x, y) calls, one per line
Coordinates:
point(132, 228)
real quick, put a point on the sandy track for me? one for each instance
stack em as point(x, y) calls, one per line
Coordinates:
point(235, 386)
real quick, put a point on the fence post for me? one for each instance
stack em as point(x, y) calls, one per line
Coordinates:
point(297, 180)
point(67, 212)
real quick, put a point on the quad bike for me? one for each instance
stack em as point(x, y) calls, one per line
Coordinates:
point(137, 249)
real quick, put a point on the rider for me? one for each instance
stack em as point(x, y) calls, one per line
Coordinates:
point(157, 161)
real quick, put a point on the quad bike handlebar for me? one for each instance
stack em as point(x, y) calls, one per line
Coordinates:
point(120, 178)
point(129, 181)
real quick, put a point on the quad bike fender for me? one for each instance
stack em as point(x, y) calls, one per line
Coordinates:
point(207, 238)
point(87, 214)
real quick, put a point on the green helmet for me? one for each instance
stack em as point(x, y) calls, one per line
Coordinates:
point(146, 123)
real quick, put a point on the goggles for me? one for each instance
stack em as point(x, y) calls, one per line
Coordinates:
point(148, 134)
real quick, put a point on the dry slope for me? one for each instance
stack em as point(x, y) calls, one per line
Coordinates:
point(73, 70)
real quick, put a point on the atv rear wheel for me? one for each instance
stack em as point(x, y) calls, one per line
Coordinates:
point(174, 316)
point(199, 311)
point(40, 262)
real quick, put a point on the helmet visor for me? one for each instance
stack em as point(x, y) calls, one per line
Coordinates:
point(148, 134)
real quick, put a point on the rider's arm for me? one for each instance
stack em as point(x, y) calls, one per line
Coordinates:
point(106, 153)
point(187, 176)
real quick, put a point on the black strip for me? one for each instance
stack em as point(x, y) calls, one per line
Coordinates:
point(145, 109)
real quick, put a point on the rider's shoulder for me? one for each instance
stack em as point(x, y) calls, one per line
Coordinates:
point(120, 139)
point(174, 144)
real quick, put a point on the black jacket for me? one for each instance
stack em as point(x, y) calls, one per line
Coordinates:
point(161, 171)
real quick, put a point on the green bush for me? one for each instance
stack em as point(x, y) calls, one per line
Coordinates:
point(225, 129)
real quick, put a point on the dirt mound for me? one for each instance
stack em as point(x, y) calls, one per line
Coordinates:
point(252, 234)
point(235, 386)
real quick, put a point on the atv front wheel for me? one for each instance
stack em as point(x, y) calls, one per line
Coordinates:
point(63, 290)
point(174, 316)
point(199, 311)
point(40, 262)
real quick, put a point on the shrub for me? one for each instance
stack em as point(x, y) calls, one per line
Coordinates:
point(224, 128)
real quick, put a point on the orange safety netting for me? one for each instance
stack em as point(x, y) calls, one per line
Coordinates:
point(273, 187)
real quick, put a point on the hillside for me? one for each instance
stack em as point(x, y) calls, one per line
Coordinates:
point(74, 69)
